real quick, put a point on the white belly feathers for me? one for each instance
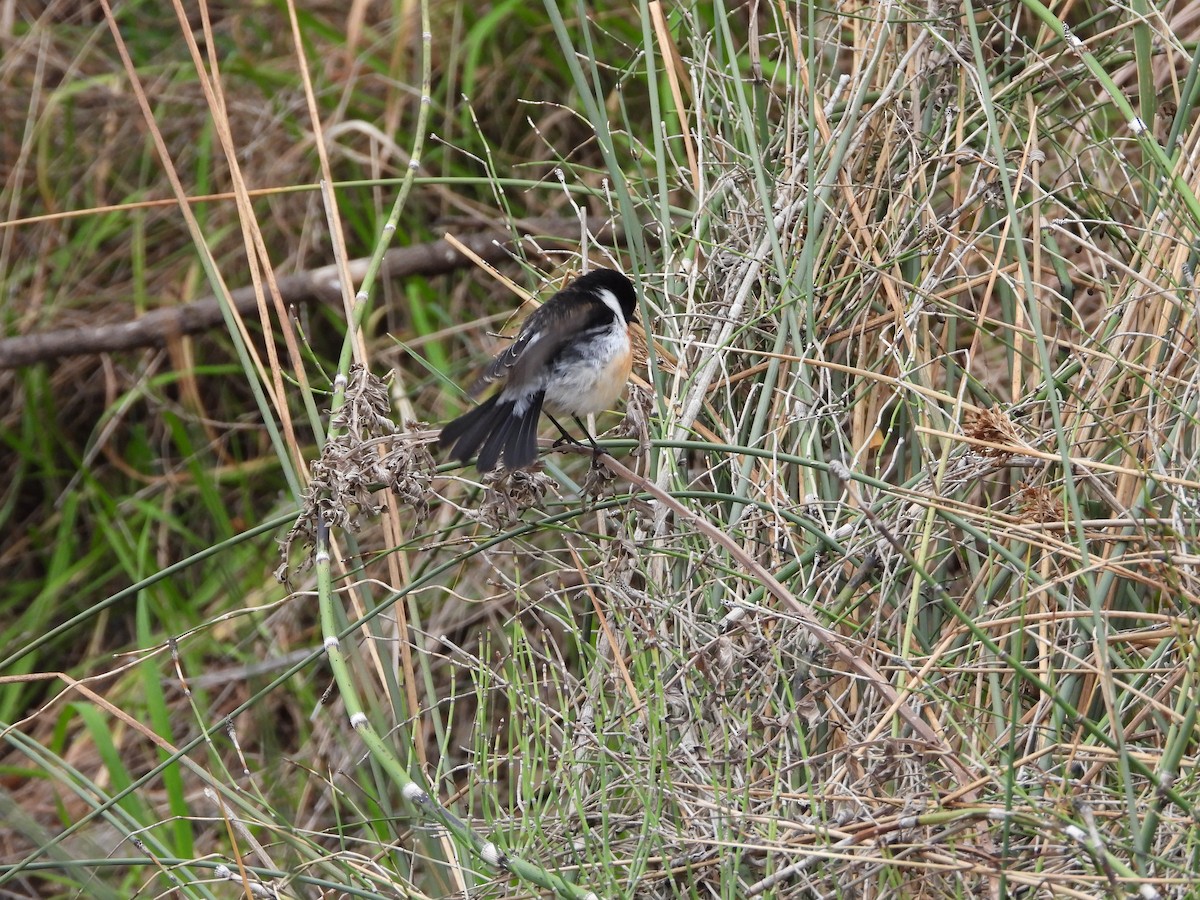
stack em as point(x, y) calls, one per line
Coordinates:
point(583, 386)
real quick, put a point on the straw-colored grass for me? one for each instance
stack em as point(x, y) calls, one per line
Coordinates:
point(888, 590)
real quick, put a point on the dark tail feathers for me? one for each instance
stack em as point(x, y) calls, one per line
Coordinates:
point(493, 430)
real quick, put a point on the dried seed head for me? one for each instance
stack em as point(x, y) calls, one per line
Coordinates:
point(363, 455)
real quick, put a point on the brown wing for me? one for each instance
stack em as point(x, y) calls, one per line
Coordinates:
point(541, 337)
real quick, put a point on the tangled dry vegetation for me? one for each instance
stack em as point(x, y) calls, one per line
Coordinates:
point(898, 599)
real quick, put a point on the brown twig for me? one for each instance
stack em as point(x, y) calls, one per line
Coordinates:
point(157, 326)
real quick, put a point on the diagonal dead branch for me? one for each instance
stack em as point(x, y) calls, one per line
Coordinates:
point(315, 285)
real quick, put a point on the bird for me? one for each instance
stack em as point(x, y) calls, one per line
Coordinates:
point(571, 357)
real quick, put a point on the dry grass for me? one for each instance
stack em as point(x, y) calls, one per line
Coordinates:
point(897, 601)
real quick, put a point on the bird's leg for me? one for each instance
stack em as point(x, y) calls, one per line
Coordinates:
point(597, 451)
point(566, 436)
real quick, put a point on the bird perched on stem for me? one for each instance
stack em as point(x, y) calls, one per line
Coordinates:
point(572, 357)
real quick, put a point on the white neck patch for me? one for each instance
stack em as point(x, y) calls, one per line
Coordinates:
point(609, 299)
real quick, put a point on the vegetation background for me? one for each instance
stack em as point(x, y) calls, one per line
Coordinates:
point(890, 591)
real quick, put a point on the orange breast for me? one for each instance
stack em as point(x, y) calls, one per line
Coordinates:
point(611, 383)
point(582, 389)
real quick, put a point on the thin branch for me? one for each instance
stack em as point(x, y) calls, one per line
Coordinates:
point(159, 325)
